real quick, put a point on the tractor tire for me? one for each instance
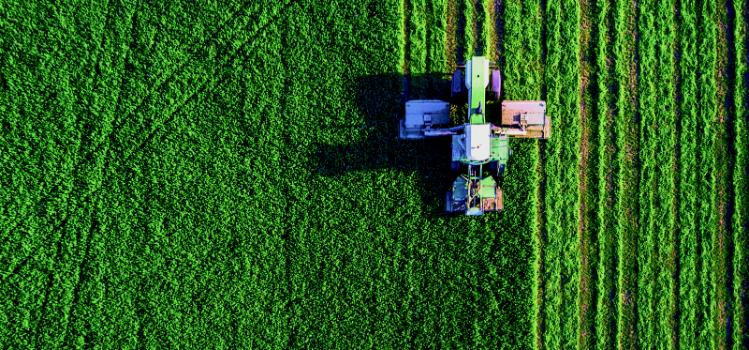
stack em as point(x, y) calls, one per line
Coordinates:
point(501, 170)
point(455, 166)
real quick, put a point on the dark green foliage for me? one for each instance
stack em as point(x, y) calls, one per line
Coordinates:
point(204, 174)
point(209, 175)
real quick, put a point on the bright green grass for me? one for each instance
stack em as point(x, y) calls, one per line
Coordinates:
point(227, 175)
point(212, 175)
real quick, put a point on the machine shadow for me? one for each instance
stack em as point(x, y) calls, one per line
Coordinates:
point(380, 99)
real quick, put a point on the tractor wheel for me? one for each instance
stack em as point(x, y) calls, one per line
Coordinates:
point(501, 170)
point(455, 166)
point(495, 84)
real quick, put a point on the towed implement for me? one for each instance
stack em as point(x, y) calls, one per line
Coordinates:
point(480, 149)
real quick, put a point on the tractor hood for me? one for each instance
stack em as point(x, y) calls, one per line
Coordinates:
point(478, 141)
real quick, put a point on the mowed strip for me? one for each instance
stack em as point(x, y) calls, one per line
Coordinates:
point(740, 221)
point(723, 154)
point(626, 163)
point(561, 258)
point(586, 172)
point(522, 72)
point(689, 115)
point(656, 252)
point(605, 315)
point(708, 211)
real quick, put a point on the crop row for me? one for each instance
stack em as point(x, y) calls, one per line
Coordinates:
point(522, 73)
point(708, 215)
point(626, 130)
point(689, 289)
point(605, 311)
point(561, 258)
point(740, 223)
point(656, 242)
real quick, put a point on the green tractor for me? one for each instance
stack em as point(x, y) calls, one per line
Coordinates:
point(480, 149)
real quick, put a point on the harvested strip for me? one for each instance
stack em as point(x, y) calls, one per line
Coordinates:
point(586, 243)
point(689, 290)
point(707, 100)
point(562, 206)
point(605, 318)
point(522, 72)
point(740, 222)
point(626, 208)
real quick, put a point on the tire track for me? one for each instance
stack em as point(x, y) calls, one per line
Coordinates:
point(88, 157)
point(149, 136)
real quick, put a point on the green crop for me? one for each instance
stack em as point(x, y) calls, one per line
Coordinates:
point(562, 155)
point(656, 250)
point(228, 175)
point(689, 290)
point(605, 331)
point(740, 222)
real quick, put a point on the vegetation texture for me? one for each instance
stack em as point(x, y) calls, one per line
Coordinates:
point(195, 174)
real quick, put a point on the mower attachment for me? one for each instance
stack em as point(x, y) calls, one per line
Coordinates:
point(421, 116)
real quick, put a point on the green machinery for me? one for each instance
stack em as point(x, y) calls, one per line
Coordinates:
point(480, 149)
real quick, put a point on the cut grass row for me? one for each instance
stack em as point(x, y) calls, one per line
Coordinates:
point(605, 312)
point(561, 258)
point(740, 221)
point(689, 181)
point(522, 72)
point(587, 194)
point(626, 162)
point(708, 214)
point(656, 252)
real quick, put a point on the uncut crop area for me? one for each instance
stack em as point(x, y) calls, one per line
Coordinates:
point(202, 174)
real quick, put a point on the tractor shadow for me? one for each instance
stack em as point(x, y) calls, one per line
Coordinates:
point(380, 99)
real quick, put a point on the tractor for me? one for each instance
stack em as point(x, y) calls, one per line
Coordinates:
point(480, 149)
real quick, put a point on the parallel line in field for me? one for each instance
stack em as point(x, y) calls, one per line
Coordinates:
point(479, 29)
point(492, 24)
point(540, 230)
point(150, 92)
point(89, 235)
point(127, 156)
point(451, 32)
point(724, 154)
point(77, 284)
point(657, 102)
point(627, 161)
point(674, 237)
point(562, 206)
point(605, 325)
point(708, 101)
point(740, 222)
point(688, 230)
point(131, 42)
point(584, 236)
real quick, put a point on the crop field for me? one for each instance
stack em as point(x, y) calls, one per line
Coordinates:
point(203, 174)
